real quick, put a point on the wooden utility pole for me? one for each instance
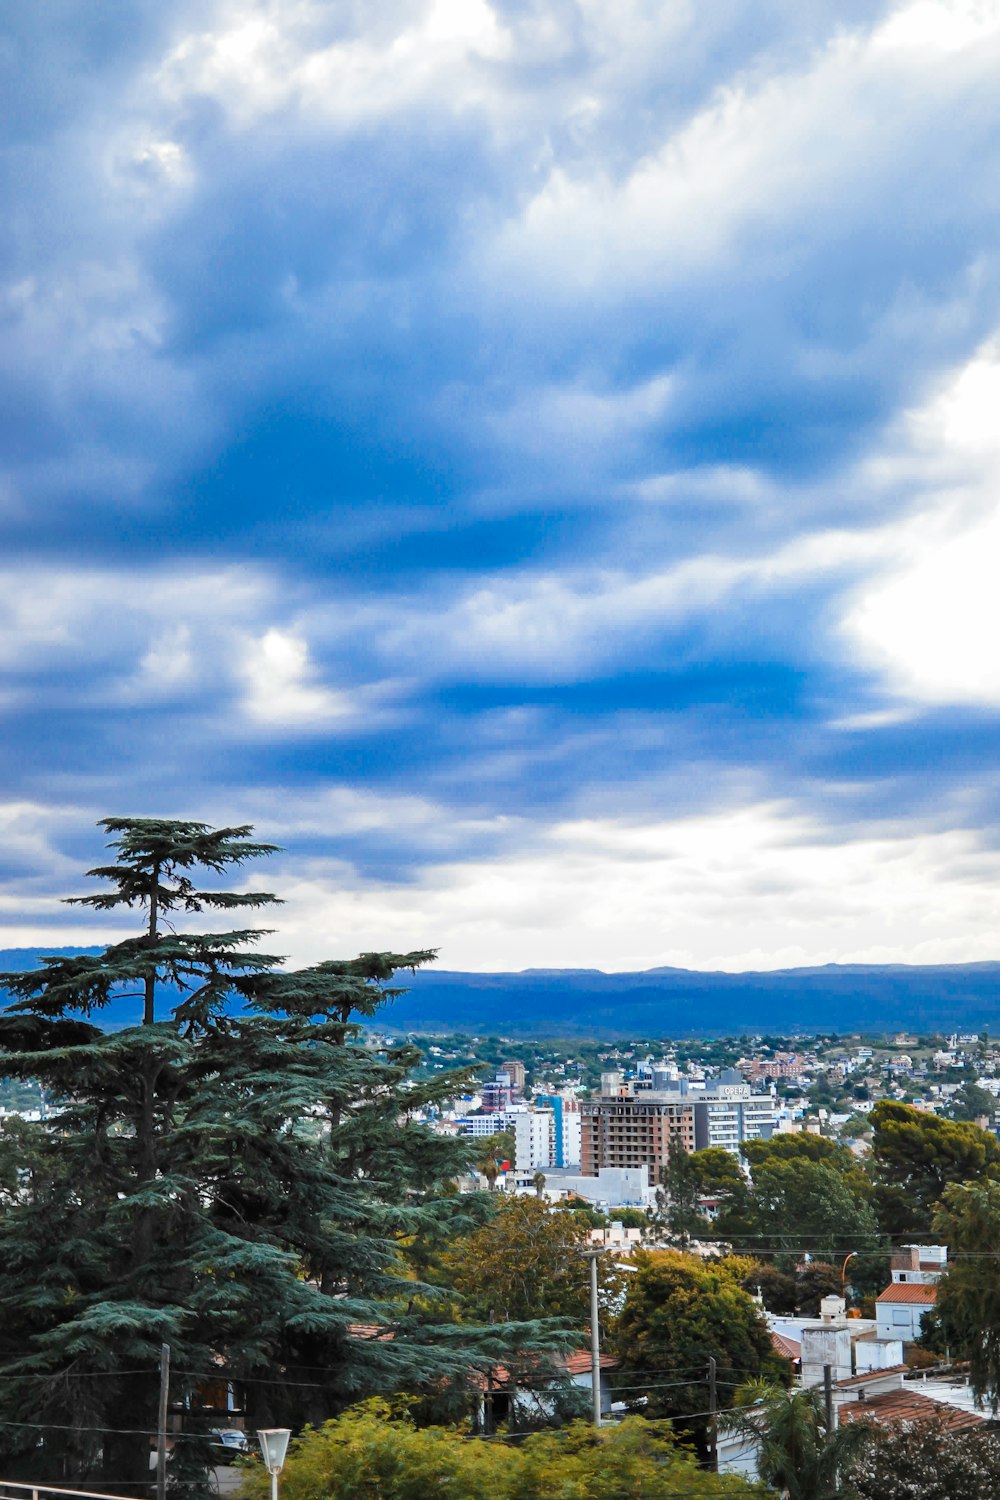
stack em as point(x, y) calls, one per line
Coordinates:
point(713, 1407)
point(161, 1426)
point(595, 1337)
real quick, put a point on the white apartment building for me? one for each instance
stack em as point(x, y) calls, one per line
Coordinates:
point(533, 1133)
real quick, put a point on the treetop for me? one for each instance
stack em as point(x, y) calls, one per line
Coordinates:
point(152, 853)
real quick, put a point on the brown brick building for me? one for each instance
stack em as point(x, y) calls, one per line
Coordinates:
point(632, 1130)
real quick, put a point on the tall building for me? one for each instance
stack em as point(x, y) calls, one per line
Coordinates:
point(622, 1128)
point(515, 1072)
point(565, 1127)
point(634, 1124)
point(532, 1139)
point(499, 1093)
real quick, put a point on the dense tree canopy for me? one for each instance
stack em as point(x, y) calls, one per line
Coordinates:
point(527, 1262)
point(915, 1156)
point(801, 1206)
point(373, 1451)
point(678, 1310)
point(231, 1175)
point(967, 1315)
point(686, 1180)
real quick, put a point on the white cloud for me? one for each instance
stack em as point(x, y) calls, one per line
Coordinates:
point(282, 687)
point(262, 58)
point(760, 886)
point(930, 619)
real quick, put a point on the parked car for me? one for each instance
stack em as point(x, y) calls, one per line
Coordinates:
point(231, 1439)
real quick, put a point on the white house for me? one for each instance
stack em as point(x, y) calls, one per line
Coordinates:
point(900, 1310)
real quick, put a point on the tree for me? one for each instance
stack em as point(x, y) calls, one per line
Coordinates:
point(679, 1310)
point(526, 1263)
point(915, 1156)
point(801, 1205)
point(929, 1462)
point(231, 1175)
point(491, 1150)
point(374, 1450)
point(967, 1313)
point(796, 1452)
point(970, 1102)
point(689, 1177)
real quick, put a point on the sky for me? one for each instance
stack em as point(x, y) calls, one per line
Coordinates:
point(536, 460)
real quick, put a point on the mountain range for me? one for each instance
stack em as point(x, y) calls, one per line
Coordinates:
point(674, 1002)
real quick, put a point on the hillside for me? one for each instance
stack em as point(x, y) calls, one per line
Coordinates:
point(678, 1002)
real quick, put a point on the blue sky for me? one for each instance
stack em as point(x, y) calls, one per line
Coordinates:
point(537, 461)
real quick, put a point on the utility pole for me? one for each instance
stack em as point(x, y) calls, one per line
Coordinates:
point(828, 1397)
point(713, 1407)
point(595, 1336)
point(161, 1426)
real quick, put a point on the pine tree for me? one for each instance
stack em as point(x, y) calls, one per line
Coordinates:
point(233, 1176)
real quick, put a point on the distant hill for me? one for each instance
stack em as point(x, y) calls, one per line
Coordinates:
point(680, 1002)
point(673, 1002)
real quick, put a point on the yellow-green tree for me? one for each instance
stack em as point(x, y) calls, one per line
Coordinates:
point(525, 1263)
point(375, 1453)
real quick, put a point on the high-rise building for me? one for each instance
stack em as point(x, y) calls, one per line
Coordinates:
point(515, 1072)
point(499, 1093)
point(634, 1124)
point(565, 1127)
point(622, 1128)
point(533, 1129)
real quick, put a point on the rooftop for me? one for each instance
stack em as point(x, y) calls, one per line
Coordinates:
point(907, 1405)
point(909, 1291)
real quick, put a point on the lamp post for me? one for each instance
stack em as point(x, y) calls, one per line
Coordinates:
point(274, 1445)
point(843, 1276)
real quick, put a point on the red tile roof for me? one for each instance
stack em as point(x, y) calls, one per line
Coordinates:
point(866, 1376)
point(578, 1363)
point(909, 1291)
point(786, 1347)
point(908, 1406)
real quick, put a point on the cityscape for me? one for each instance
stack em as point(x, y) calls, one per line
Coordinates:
point(499, 813)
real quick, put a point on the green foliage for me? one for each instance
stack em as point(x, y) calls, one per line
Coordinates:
point(233, 1176)
point(799, 1145)
point(678, 1310)
point(375, 1451)
point(778, 1289)
point(688, 1177)
point(970, 1102)
point(916, 1156)
point(490, 1151)
point(800, 1204)
point(631, 1218)
point(967, 1315)
point(527, 1263)
point(796, 1452)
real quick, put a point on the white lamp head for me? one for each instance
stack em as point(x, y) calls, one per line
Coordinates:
point(274, 1445)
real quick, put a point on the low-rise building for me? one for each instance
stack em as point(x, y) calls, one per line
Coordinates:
point(900, 1310)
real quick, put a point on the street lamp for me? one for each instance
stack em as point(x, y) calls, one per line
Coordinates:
point(843, 1276)
point(274, 1445)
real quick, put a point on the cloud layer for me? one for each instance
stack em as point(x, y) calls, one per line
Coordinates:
point(538, 462)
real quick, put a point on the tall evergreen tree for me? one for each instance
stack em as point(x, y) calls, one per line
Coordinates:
point(232, 1176)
